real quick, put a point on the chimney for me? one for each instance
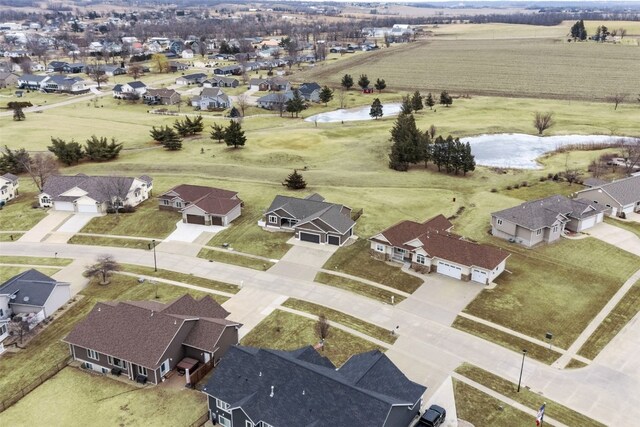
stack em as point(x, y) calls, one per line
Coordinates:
point(271, 395)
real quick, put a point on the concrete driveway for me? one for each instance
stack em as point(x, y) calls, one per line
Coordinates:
point(190, 232)
point(303, 260)
point(77, 222)
point(46, 225)
point(623, 239)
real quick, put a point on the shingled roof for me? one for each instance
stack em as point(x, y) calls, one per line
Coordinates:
point(313, 207)
point(302, 388)
point(212, 200)
point(399, 234)
point(625, 191)
point(96, 187)
point(29, 288)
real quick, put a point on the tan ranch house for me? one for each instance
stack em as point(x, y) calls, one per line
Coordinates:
point(202, 205)
point(430, 247)
point(617, 197)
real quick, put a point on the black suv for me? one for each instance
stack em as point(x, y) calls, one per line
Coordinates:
point(432, 417)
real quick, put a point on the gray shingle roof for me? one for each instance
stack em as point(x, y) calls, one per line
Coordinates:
point(625, 191)
point(195, 76)
point(11, 177)
point(308, 390)
point(311, 208)
point(136, 84)
point(30, 288)
point(95, 186)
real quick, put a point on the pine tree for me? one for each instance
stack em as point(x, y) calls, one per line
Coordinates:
point(416, 101)
point(171, 140)
point(376, 109)
point(100, 150)
point(469, 161)
point(326, 95)
point(445, 99)
point(67, 152)
point(234, 135)
point(429, 101)
point(18, 114)
point(380, 85)
point(295, 181)
point(296, 104)
point(439, 152)
point(408, 143)
point(407, 106)
point(347, 81)
point(217, 132)
point(363, 81)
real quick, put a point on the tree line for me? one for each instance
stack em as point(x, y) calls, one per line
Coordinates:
point(96, 149)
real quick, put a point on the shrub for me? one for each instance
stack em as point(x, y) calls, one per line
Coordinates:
point(543, 178)
point(508, 187)
point(516, 186)
point(494, 190)
point(524, 184)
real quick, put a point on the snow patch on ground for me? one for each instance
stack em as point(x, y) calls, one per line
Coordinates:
point(353, 114)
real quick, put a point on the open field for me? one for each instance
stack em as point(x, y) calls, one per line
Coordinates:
point(622, 313)
point(555, 288)
point(286, 331)
point(74, 397)
point(497, 67)
point(526, 397)
point(46, 349)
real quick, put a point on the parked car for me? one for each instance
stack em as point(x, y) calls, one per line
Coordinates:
point(432, 417)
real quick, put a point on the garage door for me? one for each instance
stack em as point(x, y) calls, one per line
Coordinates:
point(216, 220)
point(588, 223)
point(334, 240)
point(195, 219)
point(308, 237)
point(63, 206)
point(92, 208)
point(449, 270)
point(479, 276)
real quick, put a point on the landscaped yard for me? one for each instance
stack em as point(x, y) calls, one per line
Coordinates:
point(44, 351)
point(359, 288)
point(556, 288)
point(76, 397)
point(356, 260)
point(235, 259)
point(621, 314)
point(286, 331)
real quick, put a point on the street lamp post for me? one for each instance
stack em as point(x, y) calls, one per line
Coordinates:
point(155, 263)
point(524, 353)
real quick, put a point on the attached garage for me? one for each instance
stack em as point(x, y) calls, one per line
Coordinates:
point(308, 237)
point(334, 240)
point(587, 223)
point(92, 208)
point(217, 220)
point(479, 276)
point(195, 219)
point(449, 270)
point(63, 206)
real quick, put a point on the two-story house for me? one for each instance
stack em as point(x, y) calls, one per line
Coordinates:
point(9, 188)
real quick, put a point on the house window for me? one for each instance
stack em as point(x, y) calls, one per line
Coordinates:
point(420, 259)
point(142, 370)
point(164, 368)
point(222, 405)
point(273, 219)
point(117, 362)
point(178, 204)
point(555, 228)
point(248, 424)
point(223, 421)
point(538, 232)
point(3, 329)
point(92, 354)
point(499, 222)
point(89, 365)
point(166, 202)
point(46, 200)
point(105, 370)
point(379, 247)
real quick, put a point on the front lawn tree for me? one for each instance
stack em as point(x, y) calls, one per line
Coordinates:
point(135, 71)
point(380, 85)
point(67, 152)
point(296, 104)
point(217, 133)
point(18, 114)
point(376, 109)
point(363, 81)
point(160, 63)
point(347, 81)
point(40, 167)
point(242, 101)
point(326, 95)
point(543, 121)
point(234, 135)
point(445, 99)
point(322, 328)
point(97, 74)
point(295, 181)
point(416, 101)
point(104, 267)
point(429, 101)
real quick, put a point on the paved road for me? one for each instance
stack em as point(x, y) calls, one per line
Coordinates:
point(428, 349)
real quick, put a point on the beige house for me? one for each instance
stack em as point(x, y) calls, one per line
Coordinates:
point(202, 205)
point(617, 197)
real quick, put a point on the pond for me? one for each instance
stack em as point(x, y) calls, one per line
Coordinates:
point(520, 151)
point(353, 114)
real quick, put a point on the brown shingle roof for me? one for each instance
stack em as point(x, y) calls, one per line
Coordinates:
point(401, 233)
point(454, 248)
point(205, 307)
point(206, 333)
point(211, 200)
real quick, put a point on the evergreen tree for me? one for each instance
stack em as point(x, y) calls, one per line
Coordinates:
point(578, 31)
point(234, 113)
point(295, 181)
point(416, 101)
point(429, 101)
point(449, 154)
point(171, 140)
point(100, 150)
point(380, 85)
point(197, 125)
point(363, 81)
point(14, 161)
point(468, 160)
point(234, 135)
point(376, 109)
point(67, 152)
point(217, 132)
point(296, 104)
point(326, 95)
point(425, 148)
point(408, 143)
point(445, 99)
point(18, 114)
point(407, 106)
point(347, 81)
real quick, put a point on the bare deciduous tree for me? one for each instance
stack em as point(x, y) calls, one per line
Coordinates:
point(572, 175)
point(543, 121)
point(342, 95)
point(135, 71)
point(617, 99)
point(103, 268)
point(432, 131)
point(97, 74)
point(115, 189)
point(243, 102)
point(40, 167)
point(280, 104)
point(322, 328)
point(631, 154)
point(25, 65)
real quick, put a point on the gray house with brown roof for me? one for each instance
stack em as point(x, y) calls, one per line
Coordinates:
point(161, 97)
point(311, 219)
point(545, 220)
point(431, 247)
point(145, 340)
point(618, 197)
point(202, 205)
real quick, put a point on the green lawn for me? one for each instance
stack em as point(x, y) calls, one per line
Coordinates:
point(146, 221)
point(235, 259)
point(73, 396)
point(575, 364)
point(356, 260)
point(633, 227)
point(109, 241)
point(526, 397)
point(621, 314)
point(7, 273)
point(19, 369)
point(359, 288)
point(480, 409)
point(286, 331)
point(18, 214)
point(344, 319)
point(554, 288)
point(61, 262)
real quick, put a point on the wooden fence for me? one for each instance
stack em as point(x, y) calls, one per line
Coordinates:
point(13, 399)
point(357, 214)
point(199, 373)
point(200, 421)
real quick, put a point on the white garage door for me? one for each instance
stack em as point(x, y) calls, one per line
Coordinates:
point(93, 208)
point(479, 276)
point(588, 223)
point(449, 270)
point(63, 206)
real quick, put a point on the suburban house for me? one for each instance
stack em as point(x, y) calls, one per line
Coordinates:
point(273, 100)
point(136, 87)
point(431, 247)
point(191, 79)
point(161, 96)
point(175, 66)
point(211, 98)
point(93, 194)
point(31, 81)
point(262, 387)
point(187, 54)
point(545, 220)
point(56, 66)
point(310, 91)
point(74, 68)
point(311, 219)
point(8, 188)
point(217, 81)
point(145, 340)
point(228, 70)
point(274, 84)
point(8, 80)
point(33, 297)
point(617, 198)
point(63, 84)
point(107, 70)
point(202, 205)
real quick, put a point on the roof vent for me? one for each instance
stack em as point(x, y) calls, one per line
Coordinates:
point(25, 299)
point(175, 322)
point(260, 373)
point(303, 392)
point(151, 313)
point(99, 309)
point(271, 395)
point(12, 297)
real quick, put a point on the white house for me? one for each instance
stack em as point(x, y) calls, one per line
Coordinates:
point(187, 54)
point(8, 188)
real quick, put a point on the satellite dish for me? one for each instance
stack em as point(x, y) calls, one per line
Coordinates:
point(25, 299)
point(12, 297)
